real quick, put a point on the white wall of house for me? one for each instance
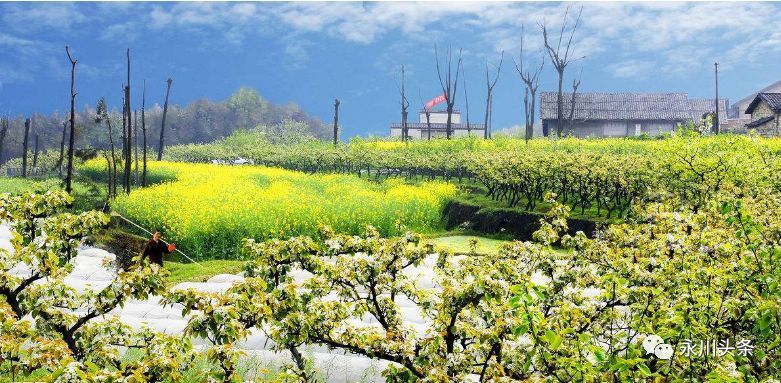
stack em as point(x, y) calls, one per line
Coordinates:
point(417, 134)
point(611, 128)
point(440, 117)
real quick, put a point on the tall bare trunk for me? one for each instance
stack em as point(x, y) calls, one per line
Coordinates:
point(3, 132)
point(125, 119)
point(129, 135)
point(143, 131)
point(466, 105)
point(135, 137)
point(72, 140)
point(62, 148)
point(428, 124)
point(162, 128)
point(35, 156)
point(560, 106)
point(25, 144)
point(336, 121)
point(404, 105)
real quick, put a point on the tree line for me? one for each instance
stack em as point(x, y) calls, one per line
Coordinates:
point(199, 121)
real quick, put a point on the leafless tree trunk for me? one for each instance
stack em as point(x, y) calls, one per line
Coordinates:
point(428, 116)
point(35, 156)
point(336, 120)
point(489, 96)
point(125, 119)
point(3, 132)
point(62, 149)
point(162, 128)
point(404, 106)
point(135, 137)
point(72, 140)
point(129, 135)
point(532, 81)
point(103, 115)
point(449, 85)
point(573, 99)
point(560, 59)
point(466, 105)
point(25, 144)
point(143, 132)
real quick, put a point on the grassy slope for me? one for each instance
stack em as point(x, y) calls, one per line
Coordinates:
point(16, 185)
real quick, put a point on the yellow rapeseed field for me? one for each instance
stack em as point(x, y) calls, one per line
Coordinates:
point(208, 209)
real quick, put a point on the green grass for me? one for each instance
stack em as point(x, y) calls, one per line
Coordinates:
point(191, 272)
point(460, 244)
point(16, 185)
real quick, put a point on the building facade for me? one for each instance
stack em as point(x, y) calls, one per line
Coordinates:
point(765, 111)
point(738, 109)
point(436, 126)
point(624, 114)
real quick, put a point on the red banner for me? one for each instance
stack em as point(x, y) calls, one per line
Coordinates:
point(436, 100)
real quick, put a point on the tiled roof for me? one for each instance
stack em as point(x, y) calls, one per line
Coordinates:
point(768, 89)
point(630, 106)
point(759, 122)
point(700, 106)
point(773, 100)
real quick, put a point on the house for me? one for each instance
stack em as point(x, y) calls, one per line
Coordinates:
point(737, 116)
point(624, 114)
point(765, 111)
point(436, 125)
point(738, 109)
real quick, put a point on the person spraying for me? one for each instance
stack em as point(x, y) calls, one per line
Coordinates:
point(155, 249)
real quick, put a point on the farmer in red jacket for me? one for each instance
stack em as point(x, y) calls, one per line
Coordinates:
point(155, 249)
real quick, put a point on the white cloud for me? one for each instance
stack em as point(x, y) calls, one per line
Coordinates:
point(655, 38)
point(630, 68)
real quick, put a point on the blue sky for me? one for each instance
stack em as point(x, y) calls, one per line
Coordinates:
point(308, 53)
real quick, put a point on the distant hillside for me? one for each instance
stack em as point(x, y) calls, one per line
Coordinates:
point(200, 121)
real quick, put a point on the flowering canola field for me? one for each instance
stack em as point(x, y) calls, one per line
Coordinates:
point(209, 208)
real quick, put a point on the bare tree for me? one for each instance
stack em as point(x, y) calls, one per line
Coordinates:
point(125, 119)
point(560, 57)
point(427, 112)
point(143, 132)
point(404, 106)
point(489, 96)
point(336, 120)
point(25, 145)
point(62, 148)
point(449, 85)
point(72, 140)
point(162, 128)
point(135, 137)
point(3, 132)
point(103, 115)
point(573, 100)
point(466, 106)
point(35, 156)
point(129, 134)
point(532, 81)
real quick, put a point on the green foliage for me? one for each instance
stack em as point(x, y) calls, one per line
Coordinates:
point(58, 331)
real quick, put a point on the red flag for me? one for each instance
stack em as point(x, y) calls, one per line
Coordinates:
point(436, 100)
